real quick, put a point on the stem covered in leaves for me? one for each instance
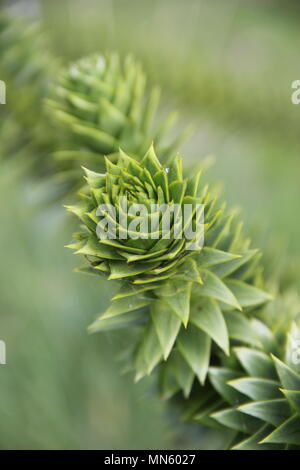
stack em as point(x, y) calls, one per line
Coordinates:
point(202, 317)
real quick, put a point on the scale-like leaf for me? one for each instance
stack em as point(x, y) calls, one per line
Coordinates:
point(179, 301)
point(241, 329)
point(194, 345)
point(289, 379)
point(210, 257)
point(219, 377)
point(256, 388)
point(225, 270)
point(166, 324)
point(119, 321)
point(293, 397)
point(270, 411)
point(120, 270)
point(247, 295)
point(287, 433)
point(256, 363)
point(254, 442)
point(148, 355)
point(236, 420)
point(208, 317)
point(124, 305)
point(213, 287)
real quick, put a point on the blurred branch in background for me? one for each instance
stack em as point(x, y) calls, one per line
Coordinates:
point(26, 68)
point(230, 65)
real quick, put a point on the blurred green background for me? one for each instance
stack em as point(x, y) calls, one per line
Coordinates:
point(228, 68)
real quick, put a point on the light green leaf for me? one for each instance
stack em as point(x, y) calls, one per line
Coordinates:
point(128, 290)
point(126, 304)
point(89, 270)
point(118, 321)
point(236, 420)
point(256, 388)
point(270, 411)
point(120, 270)
point(168, 385)
point(194, 345)
point(188, 271)
point(224, 270)
point(166, 324)
point(247, 295)
point(211, 257)
point(94, 248)
point(208, 317)
point(293, 397)
point(183, 374)
point(289, 379)
point(178, 299)
point(253, 443)
point(219, 376)
point(240, 329)
point(148, 355)
point(97, 139)
point(287, 433)
point(213, 287)
point(256, 363)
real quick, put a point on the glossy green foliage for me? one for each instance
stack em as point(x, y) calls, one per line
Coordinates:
point(188, 300)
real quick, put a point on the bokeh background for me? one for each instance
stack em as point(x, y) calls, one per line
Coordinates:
point(228, 68)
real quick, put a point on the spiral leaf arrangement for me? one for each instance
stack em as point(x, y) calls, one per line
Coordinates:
point(201, 318)
point(100, 105)
point(187, 298)
point(263, 390)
